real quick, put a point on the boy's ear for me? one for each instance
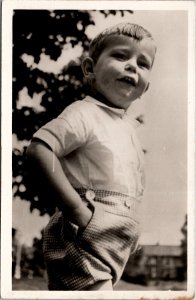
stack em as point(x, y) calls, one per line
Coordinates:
point(88, 66)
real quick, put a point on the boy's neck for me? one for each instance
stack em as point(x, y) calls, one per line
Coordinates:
point(98, 96)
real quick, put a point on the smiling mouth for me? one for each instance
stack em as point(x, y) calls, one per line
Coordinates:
point(128, 80)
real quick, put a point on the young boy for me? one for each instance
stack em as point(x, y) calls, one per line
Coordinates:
point(93, 162)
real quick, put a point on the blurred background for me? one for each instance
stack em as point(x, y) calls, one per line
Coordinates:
point(48, 47)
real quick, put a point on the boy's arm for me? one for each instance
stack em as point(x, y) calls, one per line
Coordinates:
point(49, 165)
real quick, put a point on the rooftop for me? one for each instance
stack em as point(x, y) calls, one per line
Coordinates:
point(162, 250)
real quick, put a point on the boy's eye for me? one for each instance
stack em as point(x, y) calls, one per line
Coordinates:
point(144, 64)
point(119, 56)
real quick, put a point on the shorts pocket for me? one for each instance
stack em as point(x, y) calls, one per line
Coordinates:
point(111, 238)
point(105, 223)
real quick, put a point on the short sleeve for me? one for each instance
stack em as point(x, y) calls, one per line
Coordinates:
point(69, 131)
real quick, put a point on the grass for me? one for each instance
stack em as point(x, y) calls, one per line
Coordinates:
point(39, 284)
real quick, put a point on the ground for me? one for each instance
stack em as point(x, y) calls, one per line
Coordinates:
point(38, 283)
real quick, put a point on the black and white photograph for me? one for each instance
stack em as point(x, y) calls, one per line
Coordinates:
point(98, 150)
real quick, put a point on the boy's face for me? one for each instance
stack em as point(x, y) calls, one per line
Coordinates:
point(122, 70)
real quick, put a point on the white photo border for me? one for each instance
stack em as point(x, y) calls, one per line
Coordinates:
point(6, 135)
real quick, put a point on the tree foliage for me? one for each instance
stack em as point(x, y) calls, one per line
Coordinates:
point(38, 32)
point(184, 248)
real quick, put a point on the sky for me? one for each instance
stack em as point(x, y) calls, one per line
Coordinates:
point(163, 135)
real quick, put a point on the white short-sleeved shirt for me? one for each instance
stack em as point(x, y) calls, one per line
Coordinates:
point(97, 147)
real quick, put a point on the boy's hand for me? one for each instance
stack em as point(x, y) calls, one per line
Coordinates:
point(81, 216)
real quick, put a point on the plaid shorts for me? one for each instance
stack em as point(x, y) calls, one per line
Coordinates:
point(75, 260)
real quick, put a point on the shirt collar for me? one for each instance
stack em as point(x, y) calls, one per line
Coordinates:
point(118, 111)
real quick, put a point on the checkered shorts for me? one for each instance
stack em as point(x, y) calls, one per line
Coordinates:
point(75, 260)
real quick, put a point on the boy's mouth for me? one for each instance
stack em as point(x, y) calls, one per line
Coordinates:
point(129, 80)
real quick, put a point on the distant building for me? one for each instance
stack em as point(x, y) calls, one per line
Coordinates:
point(156, 262)
point(163, 262)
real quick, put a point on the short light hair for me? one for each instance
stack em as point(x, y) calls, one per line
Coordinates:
point(134, 31)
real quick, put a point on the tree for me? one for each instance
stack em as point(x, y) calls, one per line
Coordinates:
point(184, 248)
point(134, 271)
point(38, 32)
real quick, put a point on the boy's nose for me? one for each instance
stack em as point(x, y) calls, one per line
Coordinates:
point(130, 66)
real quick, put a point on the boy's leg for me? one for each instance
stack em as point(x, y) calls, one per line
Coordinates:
point(105, 285)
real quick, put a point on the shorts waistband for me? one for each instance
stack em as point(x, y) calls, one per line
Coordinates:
point(114, 200)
